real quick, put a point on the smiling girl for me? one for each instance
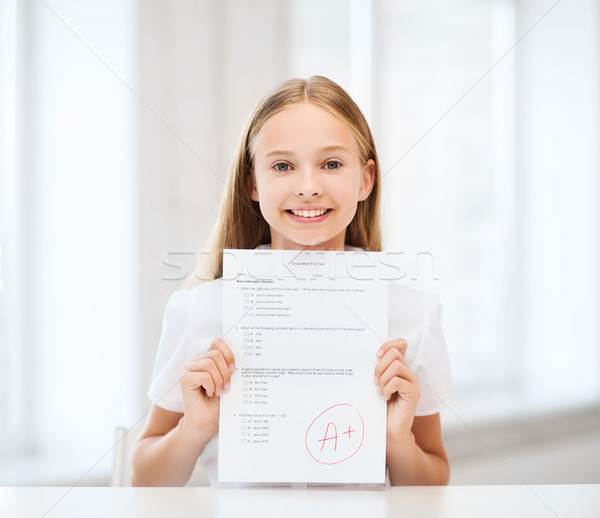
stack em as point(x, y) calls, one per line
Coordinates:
point(305, 176)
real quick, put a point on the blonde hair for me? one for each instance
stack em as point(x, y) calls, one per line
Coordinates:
point(240, 223)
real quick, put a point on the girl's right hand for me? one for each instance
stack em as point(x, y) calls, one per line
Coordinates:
point(202, 382)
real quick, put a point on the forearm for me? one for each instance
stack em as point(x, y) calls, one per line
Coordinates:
point(166, 460)
point(409, 465)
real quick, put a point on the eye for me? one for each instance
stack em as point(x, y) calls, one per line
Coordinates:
point(332, 165)
point(282, 167)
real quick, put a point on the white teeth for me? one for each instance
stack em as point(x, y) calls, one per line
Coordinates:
point(308, 213)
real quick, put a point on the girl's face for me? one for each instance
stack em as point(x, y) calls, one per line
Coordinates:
point(308, 178)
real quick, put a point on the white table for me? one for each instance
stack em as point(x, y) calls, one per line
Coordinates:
point(564, 501)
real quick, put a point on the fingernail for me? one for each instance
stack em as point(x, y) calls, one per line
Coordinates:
point(380, 353)
point(379, 391)
point(226, 387)
point(219, 392)
point(232, 367)
point(375, 380)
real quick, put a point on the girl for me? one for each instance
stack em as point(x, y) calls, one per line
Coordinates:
point(305, 176)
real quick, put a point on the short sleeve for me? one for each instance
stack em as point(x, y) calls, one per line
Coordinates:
point(432, 363)
point(164, 390)
point(191, 322)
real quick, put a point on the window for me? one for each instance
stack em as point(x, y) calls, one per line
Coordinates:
point(475, 136)
point(12, 387)
point(67, 239)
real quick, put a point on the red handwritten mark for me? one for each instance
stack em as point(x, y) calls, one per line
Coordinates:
point(345, 414)
point(326, 438)
point(349, 432)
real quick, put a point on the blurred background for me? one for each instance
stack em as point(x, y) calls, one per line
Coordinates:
point(118, 120)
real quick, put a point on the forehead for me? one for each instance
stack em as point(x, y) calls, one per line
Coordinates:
point(303, 128)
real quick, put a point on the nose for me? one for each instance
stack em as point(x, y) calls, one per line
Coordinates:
point(309, 183)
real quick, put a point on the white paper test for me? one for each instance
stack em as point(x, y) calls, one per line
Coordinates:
point(305, 327)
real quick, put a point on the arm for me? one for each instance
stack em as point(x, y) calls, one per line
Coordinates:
point(169, 446)
point(414, 449)
point(419, 458)
point(166, 452)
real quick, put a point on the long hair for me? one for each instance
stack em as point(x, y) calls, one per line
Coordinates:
point(240, 223)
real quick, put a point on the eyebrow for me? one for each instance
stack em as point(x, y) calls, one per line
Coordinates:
point(334, 147)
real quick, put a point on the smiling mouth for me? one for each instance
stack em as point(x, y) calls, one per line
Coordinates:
point(308, 213)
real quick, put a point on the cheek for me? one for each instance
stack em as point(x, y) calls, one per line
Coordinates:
point(346, 198)
point(348, 191)
point(269, 196)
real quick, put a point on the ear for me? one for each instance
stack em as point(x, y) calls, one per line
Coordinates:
point(252, 187)
point(367, 180)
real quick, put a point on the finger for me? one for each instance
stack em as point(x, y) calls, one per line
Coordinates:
point(218, 346)
point(221, 345)
point(208, 365)
point(389, 357)
point(405, 389)
point(396, 369)
point(192, 381)
point(217, 357)
point(400, 344)
point(192, 365)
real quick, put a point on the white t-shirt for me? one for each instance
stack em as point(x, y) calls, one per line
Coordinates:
point(193, 319)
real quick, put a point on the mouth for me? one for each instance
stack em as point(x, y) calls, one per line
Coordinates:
point(308, 215)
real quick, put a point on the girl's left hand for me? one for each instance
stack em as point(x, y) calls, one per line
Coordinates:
point(400, 388)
